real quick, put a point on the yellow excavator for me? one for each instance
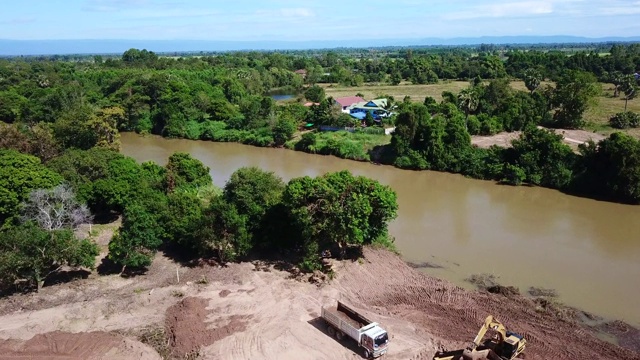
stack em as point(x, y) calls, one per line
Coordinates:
point(502, 345)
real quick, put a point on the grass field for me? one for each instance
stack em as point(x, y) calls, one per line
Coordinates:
point(597, 117)
point(416, 92)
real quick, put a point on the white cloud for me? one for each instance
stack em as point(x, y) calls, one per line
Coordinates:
point(19, 20)
point(285, 12)
point(113, 5)
point(296, 12)
point(621, 8)
point(170, 13)
point(512, 9)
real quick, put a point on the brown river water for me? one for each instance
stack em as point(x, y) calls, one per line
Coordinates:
point(587, 250)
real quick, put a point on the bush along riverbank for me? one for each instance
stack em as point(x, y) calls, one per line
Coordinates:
point(52, 105)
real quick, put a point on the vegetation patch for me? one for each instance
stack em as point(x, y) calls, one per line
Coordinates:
point(156, 337)
point(347, 145)
point(542, 292)
point(482, 281)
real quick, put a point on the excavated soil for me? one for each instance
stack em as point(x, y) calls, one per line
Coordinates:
point(188, 330)
point(83, 346)
point(247, 311)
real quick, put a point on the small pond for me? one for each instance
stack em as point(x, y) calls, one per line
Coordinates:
point(282, 97)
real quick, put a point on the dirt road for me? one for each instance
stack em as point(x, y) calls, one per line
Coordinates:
point(245, 311)
point(572, 138)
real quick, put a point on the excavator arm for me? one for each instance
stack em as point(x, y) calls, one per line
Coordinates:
point(493, 324)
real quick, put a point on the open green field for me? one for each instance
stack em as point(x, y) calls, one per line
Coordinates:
point(416, 92)
point(597, 116)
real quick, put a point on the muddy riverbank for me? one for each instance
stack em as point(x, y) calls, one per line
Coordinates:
point(585, 249)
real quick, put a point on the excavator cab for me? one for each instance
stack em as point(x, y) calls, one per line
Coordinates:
point(512, 346)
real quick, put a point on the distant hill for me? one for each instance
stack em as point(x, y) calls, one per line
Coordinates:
point(63, 47)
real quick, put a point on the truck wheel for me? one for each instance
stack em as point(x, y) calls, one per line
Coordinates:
point(331, 331)
point(366, 354)
point(339, 335)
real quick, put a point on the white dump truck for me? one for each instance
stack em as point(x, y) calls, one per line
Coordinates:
point(342, 320)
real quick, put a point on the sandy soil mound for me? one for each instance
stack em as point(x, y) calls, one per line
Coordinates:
point(188, 331)
point(253, 311)
point(82, 346)
point(451, 313)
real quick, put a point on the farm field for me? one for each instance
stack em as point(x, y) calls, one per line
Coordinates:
point(597, 116)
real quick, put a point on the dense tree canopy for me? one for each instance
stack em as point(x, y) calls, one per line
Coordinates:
point(19, 175)
point(59, 139)
point(30, 253)
point(338, 209)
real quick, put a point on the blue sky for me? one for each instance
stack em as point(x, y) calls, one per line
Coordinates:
point(313, 20)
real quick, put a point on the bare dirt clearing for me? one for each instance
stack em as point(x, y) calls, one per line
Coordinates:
point(246, 311)
point(572, 138)
point(82, 346)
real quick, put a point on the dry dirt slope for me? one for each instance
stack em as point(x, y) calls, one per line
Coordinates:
point(245, 313)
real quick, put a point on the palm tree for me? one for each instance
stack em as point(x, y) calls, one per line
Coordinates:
point(532, 78)
point(468, 101)
point(628, 86)
point(616, 79)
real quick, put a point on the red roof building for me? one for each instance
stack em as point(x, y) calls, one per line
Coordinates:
point(345, 102)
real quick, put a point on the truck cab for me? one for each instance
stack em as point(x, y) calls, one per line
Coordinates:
point(375, 341)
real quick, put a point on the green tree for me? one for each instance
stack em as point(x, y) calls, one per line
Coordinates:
point(314, 93)
point(629, 87)
point(30, 253)
point(574, 92)
point(396, 78)
point(122, 185)
point(19, 175)
point(616, 78)
point(338, 210)
point(532, 79)
point(368, 119)
point(283, 130)
point(254, 192)
point(307, 143)
point(406, 127)
point(105, 126)
point(182, 218)
point(74, 129)
point(137, 240)
point(80, 168)
point(223, 231)
point(468, 101)
point(183, 171)
point(543, 157)
point(611, 168)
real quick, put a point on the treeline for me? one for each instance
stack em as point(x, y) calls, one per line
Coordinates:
point(43, 201)
point(435, 137)
point(57, 105)
point(223, 97)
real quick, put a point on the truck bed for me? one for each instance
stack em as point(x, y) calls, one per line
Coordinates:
point(344, 317)
point(352, 316)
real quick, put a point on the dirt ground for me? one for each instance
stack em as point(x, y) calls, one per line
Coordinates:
point(572, 138)
point(252, 311)
point(90, 346)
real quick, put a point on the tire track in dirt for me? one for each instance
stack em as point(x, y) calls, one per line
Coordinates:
point(453, 314)
point(82, 346)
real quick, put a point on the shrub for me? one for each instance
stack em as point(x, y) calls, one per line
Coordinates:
point(625, 120)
